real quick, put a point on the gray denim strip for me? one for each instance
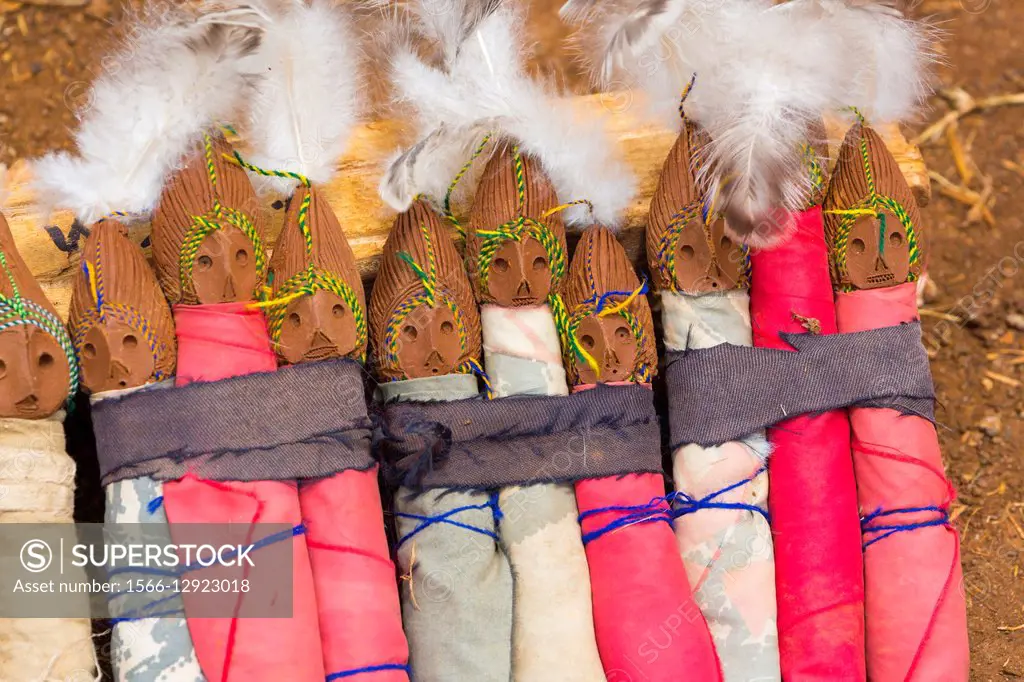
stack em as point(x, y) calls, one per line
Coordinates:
point(303, 421)
point(727, 392)
point(479, 444)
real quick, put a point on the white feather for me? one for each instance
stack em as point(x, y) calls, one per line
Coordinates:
point(173, 80)
point(310, 96)
point(765, 75)
point(481, 82)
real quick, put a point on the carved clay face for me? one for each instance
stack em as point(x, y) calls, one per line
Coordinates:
point(428, 342)
point(520, 274)
point(34, 373)
point(611, 343)
point(701, 269)
point(874, 260)
point(225, 267)
point(114, 356)
point(317, 327)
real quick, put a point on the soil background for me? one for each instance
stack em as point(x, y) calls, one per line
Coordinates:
point(974, 310)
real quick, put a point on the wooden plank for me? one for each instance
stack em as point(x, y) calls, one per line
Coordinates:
point(353, 193)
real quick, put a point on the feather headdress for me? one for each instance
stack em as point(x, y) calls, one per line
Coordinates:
point(309, 96)
point(765, 76)
point(478, 85)
point(172, 81)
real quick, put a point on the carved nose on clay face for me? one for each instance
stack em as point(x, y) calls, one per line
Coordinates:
point(119, 373)
point(320, 339)
point(524, 288)
point(880, 265)
point(229, 288)
point(433, 362)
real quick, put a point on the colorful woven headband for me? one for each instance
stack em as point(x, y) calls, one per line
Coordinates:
point(16, 311)
point(127, 315)
point(216, 218)
point(874, 205)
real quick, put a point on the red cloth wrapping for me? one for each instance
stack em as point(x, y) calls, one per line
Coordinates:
point(216, 342)
point(916, 615)
point(647, 625)
point(357, 595)
point(819, 571)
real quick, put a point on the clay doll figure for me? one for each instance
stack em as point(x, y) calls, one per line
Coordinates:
point(916, 616)
point(547, 164)
point(123, 335)
point(637, 576)
point(38, 373)
point(702, 276)
point(456, 581)
point(317, 320)
point(208, 233)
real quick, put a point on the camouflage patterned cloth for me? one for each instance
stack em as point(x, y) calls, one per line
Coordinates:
point(727, 552)
point(457, 585)
point(147, 649)
point(553, 625)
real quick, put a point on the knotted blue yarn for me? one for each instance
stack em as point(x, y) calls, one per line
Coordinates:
point(886, 530)
point(134, 613)
point(367, 669)
point(652, 512)
point(445, 518)
point(182, 570)
point(154, 504)
point(688, 505)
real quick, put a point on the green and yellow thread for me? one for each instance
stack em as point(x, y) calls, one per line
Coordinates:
point(874, 205)
point(310, 280)
point(16, 311)
point(429, 296)
point(217, 217)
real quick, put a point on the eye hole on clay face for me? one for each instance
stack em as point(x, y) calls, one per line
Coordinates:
point(500, 264)
point(726, 243)
point(539, 263)
point(338, 310)
point(622, 334)
point(294, 319)
point(686, 253)
point(241, 256)
point(204, 263)
point(895, 239)
point(447, 327)
point(857, 246)
point(89, 350)
point(410, 331)
point(130, 341)
point(45, 360)
point(3, 369)
point(588, 341)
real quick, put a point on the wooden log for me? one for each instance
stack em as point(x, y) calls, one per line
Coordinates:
point(353, 193)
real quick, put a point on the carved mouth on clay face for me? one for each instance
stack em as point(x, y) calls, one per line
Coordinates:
point(524, 300)
point(882, 279)
point(29, 405)
point(321, 352)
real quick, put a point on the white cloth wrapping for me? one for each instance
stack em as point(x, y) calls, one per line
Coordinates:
point(147, 649)
point(727, 552)
point(37, 485)
point(552, 618)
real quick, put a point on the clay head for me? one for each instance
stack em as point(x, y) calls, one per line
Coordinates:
point(37, 365)
point(872, 222)
point(119, 320)
point(611, 332)
point(515, 250)
point(320, 309)
point(688, 250)
point(423, 318)
point(208, 231)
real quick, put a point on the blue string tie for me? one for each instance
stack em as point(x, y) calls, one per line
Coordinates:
point(685, 504)
point(652, 512)
point(445, 518)
point(155, 504)
point(368, 669)
point(940, 517)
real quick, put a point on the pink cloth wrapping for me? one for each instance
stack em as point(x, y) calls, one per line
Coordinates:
point(216, 342)
point(648, 627)
point(357, 594)
point(819, 568)
point(916, 615)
